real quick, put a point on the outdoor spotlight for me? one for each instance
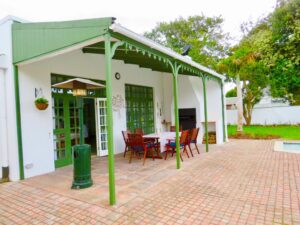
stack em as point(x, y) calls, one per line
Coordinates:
point(186, 50)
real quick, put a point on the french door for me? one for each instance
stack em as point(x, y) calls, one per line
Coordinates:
point(102, 148)
point(66, 128)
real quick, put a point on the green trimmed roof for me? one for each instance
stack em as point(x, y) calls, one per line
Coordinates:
point(31, 40)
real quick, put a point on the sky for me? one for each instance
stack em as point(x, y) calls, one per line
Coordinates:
point(138, 15)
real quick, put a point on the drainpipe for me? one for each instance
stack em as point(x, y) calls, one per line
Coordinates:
point(3, 129)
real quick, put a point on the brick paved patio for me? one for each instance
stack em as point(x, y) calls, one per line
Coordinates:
point(241, 182)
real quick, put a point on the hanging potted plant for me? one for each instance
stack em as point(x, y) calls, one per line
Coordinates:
point(41, 103)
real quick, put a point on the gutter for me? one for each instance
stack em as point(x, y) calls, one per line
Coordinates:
point(146, 41)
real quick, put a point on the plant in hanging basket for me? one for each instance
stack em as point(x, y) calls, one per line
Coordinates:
point(41, 103)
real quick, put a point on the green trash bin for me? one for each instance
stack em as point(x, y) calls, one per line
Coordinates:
point(82, 167)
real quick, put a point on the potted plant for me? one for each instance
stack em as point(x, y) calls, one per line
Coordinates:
point(41, 103)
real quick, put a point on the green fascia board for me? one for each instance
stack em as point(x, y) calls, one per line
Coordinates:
point(32, 40)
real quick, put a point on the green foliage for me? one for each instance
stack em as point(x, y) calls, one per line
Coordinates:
point(289, 132)
point(246, 61)
point(41, 101)
point(205, 34)
point(283, 58)
point(231, 93)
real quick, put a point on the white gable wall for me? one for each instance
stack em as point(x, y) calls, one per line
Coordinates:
point(190, 95)
point(37, 128)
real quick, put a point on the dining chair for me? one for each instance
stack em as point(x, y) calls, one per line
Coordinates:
point(139, 131)
point(137, 144)
point(173, 128)
point(192, 139)
point(125, 138)
point(171, 145)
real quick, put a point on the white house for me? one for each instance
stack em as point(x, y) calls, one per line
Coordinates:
point(139, 84)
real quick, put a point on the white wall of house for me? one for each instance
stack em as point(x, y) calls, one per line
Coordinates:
point(37, 127)
point(8, 101)
point(190, 95)
point(270, 115)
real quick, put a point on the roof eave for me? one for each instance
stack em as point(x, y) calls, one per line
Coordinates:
point(139, 38)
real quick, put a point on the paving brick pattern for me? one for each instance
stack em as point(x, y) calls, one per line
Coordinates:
point(241, 182)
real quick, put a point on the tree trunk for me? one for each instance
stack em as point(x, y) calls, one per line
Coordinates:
point(239, 105)
point(247, 113)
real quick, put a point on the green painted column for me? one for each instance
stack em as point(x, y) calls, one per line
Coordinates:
point(205, 111)
point(18, 122)
point(175, 92)
point(223, 112)
point(111, 166)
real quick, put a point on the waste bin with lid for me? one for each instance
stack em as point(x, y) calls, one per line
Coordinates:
point(82, 167)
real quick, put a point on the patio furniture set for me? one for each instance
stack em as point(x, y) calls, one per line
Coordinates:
point(153, 145)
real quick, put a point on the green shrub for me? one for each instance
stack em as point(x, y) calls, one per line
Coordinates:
point(41, 101)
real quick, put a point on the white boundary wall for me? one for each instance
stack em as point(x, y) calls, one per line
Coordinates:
point(270, 115)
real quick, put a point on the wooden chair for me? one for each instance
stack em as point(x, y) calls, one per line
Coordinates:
point(137, 144)
point(125, 138)
point(173, 128)
point(171, 146)
point(139, 131)
point(193, 140)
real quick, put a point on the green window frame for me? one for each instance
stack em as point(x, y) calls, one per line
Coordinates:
point(139, 108)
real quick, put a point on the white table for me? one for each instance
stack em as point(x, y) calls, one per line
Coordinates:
point(163, 138)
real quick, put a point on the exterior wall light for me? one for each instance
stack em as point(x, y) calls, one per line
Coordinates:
point(79, 92)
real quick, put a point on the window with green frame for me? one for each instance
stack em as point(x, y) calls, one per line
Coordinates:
point(139, 108)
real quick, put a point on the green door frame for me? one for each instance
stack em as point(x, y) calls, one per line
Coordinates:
point(67, 127)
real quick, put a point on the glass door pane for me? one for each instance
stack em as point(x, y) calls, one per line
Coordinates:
point(61, 140)
point(101, 127)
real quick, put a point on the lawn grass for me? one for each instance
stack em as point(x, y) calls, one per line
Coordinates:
point(289, 132)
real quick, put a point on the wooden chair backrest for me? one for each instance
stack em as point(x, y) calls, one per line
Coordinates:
point(139, 131)
point(183, 136)
point(173, 128)
point(125, 135)
point(194, 135)
point(135, 140)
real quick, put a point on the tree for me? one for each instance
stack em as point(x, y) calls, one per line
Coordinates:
point(245, 64)
point(205, 34)
point(283, 58)
point(231, 93)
